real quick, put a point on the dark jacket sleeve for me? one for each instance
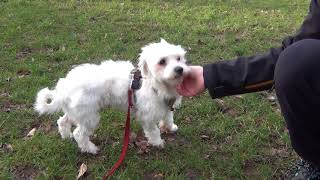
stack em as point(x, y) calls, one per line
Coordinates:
point(255, 73)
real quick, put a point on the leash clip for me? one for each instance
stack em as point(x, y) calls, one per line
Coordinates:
point(135, 79)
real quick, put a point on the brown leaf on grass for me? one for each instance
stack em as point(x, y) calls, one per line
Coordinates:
point(171, 139)
point(226, 109)
point(238, 96)
point(271, 98)
point(7, 147)
point(158, 176)
point(82, 170)
point(24, 53)
point(132, 137)
point(279, 152)
point(143, 147)
point(207, 156)
point(228, 139)
point(23, 72)
point(115, 143)
point(153, 176)
point(142, 143)
point(31, 132)
point(222, 105)
point(188, 120)
point(5, 94)
point(192, 174)
point(204, 137)
point(215, 147)
point(200, 42)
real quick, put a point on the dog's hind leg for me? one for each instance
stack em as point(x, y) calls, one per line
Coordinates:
point(168, 123)
point(83, 132)
point(64, 125)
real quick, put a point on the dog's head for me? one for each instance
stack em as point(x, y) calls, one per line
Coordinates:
point(164, 62)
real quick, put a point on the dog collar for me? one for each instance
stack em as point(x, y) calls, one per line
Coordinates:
point(169, 102)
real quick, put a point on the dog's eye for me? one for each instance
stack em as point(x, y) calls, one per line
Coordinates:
point(162, 61)
point(178, 58)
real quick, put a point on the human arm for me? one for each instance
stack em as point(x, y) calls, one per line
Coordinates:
point(255, 73)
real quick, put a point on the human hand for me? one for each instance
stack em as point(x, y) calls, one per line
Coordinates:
point(193, 83)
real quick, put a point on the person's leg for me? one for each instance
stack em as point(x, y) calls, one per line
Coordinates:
point(297, 84)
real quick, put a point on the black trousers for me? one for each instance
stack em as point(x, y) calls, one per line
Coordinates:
point(297, 84)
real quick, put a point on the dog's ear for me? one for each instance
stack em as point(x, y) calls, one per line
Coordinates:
point(163, 41)
point(143, 66)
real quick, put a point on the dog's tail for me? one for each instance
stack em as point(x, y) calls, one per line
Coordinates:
point(46, 102)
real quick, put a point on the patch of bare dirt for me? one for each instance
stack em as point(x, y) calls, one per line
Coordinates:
point(25, 52)
point(192, 174)
point(153, 176)
point(7, 148)
point(24, 172)
point(250, 170)
point(50, 49)
point(48, 127)
point(8, 106)
point(226, 109)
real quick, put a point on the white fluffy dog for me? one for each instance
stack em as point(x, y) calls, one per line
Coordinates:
point(88, 88)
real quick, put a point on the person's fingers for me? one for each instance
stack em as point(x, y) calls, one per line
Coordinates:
point(183, 90)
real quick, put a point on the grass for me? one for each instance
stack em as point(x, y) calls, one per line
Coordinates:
point(41, 40)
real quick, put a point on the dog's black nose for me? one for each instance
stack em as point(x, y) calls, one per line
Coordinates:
point(178, 70)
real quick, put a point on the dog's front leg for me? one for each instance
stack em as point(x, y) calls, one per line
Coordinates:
point(168, 123)
point(152, 132)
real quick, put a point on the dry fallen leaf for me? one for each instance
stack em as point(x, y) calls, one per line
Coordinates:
point(204, 137)
point(222, 105)
point(132, 137)
point(207, 156)
point(143, 147)
point(271, 98)
point(188, 120)
point(32, 132)
point(228, 138)
point(158, 176)
point(82, 170)
point(7, 147)
point(142, 143)
point(238, 96)
point(116, 143)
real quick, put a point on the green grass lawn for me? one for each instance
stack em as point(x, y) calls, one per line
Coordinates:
point(240, 138)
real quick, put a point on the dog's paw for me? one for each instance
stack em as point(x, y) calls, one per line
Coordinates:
point(173, 128)
point(159, 144)
point(66, 135)
point(91, 148)
point(164, 127)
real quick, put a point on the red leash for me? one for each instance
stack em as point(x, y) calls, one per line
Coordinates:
point(126, 140)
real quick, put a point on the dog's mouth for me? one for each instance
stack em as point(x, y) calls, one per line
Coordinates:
point(177, 76)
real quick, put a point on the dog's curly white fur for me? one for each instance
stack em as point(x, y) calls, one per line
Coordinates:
point(89, 87)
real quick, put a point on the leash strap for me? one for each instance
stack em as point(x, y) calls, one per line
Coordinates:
point(125, 140)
